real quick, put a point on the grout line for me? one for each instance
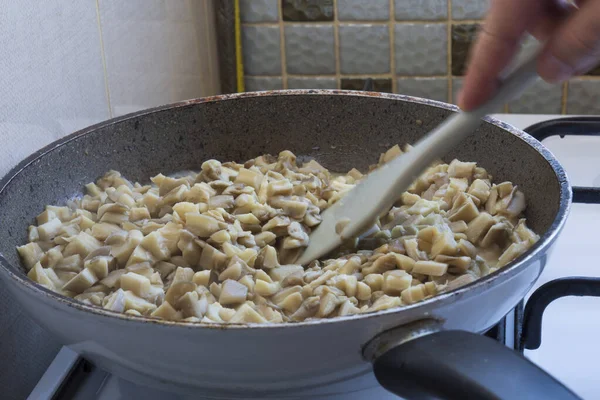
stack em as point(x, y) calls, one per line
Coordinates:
point(351, 76)
point(392, 33)
point(465, 21)
point(336, 38)
point(366, 22)
point(103, 56)
point(565, 94)
point(239, 55)
point(449, 51)
point(207, 37)
point(284, 75)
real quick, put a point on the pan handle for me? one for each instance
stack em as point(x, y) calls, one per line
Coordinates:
point(420, 361)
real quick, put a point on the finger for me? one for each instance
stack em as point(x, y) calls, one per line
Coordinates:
point(574, 48)
point(552, 14)
point(495, 46)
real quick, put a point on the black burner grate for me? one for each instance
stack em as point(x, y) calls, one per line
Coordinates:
point(528, 319)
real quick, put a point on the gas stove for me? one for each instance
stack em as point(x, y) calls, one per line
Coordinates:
point(567, 330)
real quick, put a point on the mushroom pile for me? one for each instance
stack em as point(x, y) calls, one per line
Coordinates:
point(219, 246)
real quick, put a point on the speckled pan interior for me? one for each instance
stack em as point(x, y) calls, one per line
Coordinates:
point(340, 131)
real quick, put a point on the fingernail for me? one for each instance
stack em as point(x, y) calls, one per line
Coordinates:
point(553, 70)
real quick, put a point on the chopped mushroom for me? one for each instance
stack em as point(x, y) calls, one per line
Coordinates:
point(219, 246)
point(232, 292)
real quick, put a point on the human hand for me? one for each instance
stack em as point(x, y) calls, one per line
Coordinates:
point(571, 34)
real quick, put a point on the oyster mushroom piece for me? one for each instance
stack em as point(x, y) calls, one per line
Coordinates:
point(346, 283)
point(115, 301)
point(413, 294)
point(81, 281)
point(521, 233)
point(233, 271)
point(50, 229)
point(513, 251)
point(232, 292)
point(384, 263)
point(39, 274)
point(431, 268)
point(202, 278)
point(178, 289)
point(221, 201)
point(52, 257)
point(164, 268)
point(478, 227)
point(113, 279)
point(394, 282)
point(190, 249)
point(282, 187)
point(167, 312)
point(203, 225)
point(412, 250)
point(459, 169)
point(459, 281)
point(264, 238)
point(266, 289)
point(249, 177)
point(307, 309)
point(100, 265)
point(31, 254)
point(480, 189)
point(327, 305)
point(363, 291)
point(283, 293)
point(278, 225)
point(347, 308)
point(82, 244)
point(384, 302)
point(444, 243)
point(464, 209)
point(374, 281)
point(212, 258)
point(103, 230)
point(294, 206)
point(190, 305)
point(200, 193)
point(183, 274)
point(267, 258)
point(137, 284)
point(122, 251)
point(246, 314)
point(280, 273)
point(455, 264)
point(72, 263)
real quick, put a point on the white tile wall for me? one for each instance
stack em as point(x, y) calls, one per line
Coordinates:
point(67, 64)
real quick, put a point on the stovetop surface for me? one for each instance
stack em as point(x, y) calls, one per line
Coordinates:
point(568, 350)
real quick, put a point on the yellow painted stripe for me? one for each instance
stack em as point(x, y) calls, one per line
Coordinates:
point(239, 62)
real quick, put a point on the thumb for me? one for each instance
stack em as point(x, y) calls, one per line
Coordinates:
point(574, 48)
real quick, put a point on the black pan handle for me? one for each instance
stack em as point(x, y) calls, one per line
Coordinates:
point(457, 365)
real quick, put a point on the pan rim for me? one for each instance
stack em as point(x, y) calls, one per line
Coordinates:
point(471, 289)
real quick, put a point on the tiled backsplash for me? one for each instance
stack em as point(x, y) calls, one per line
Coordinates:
point(414, 47)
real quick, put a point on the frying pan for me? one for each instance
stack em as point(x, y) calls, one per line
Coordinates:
point(431, 349)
